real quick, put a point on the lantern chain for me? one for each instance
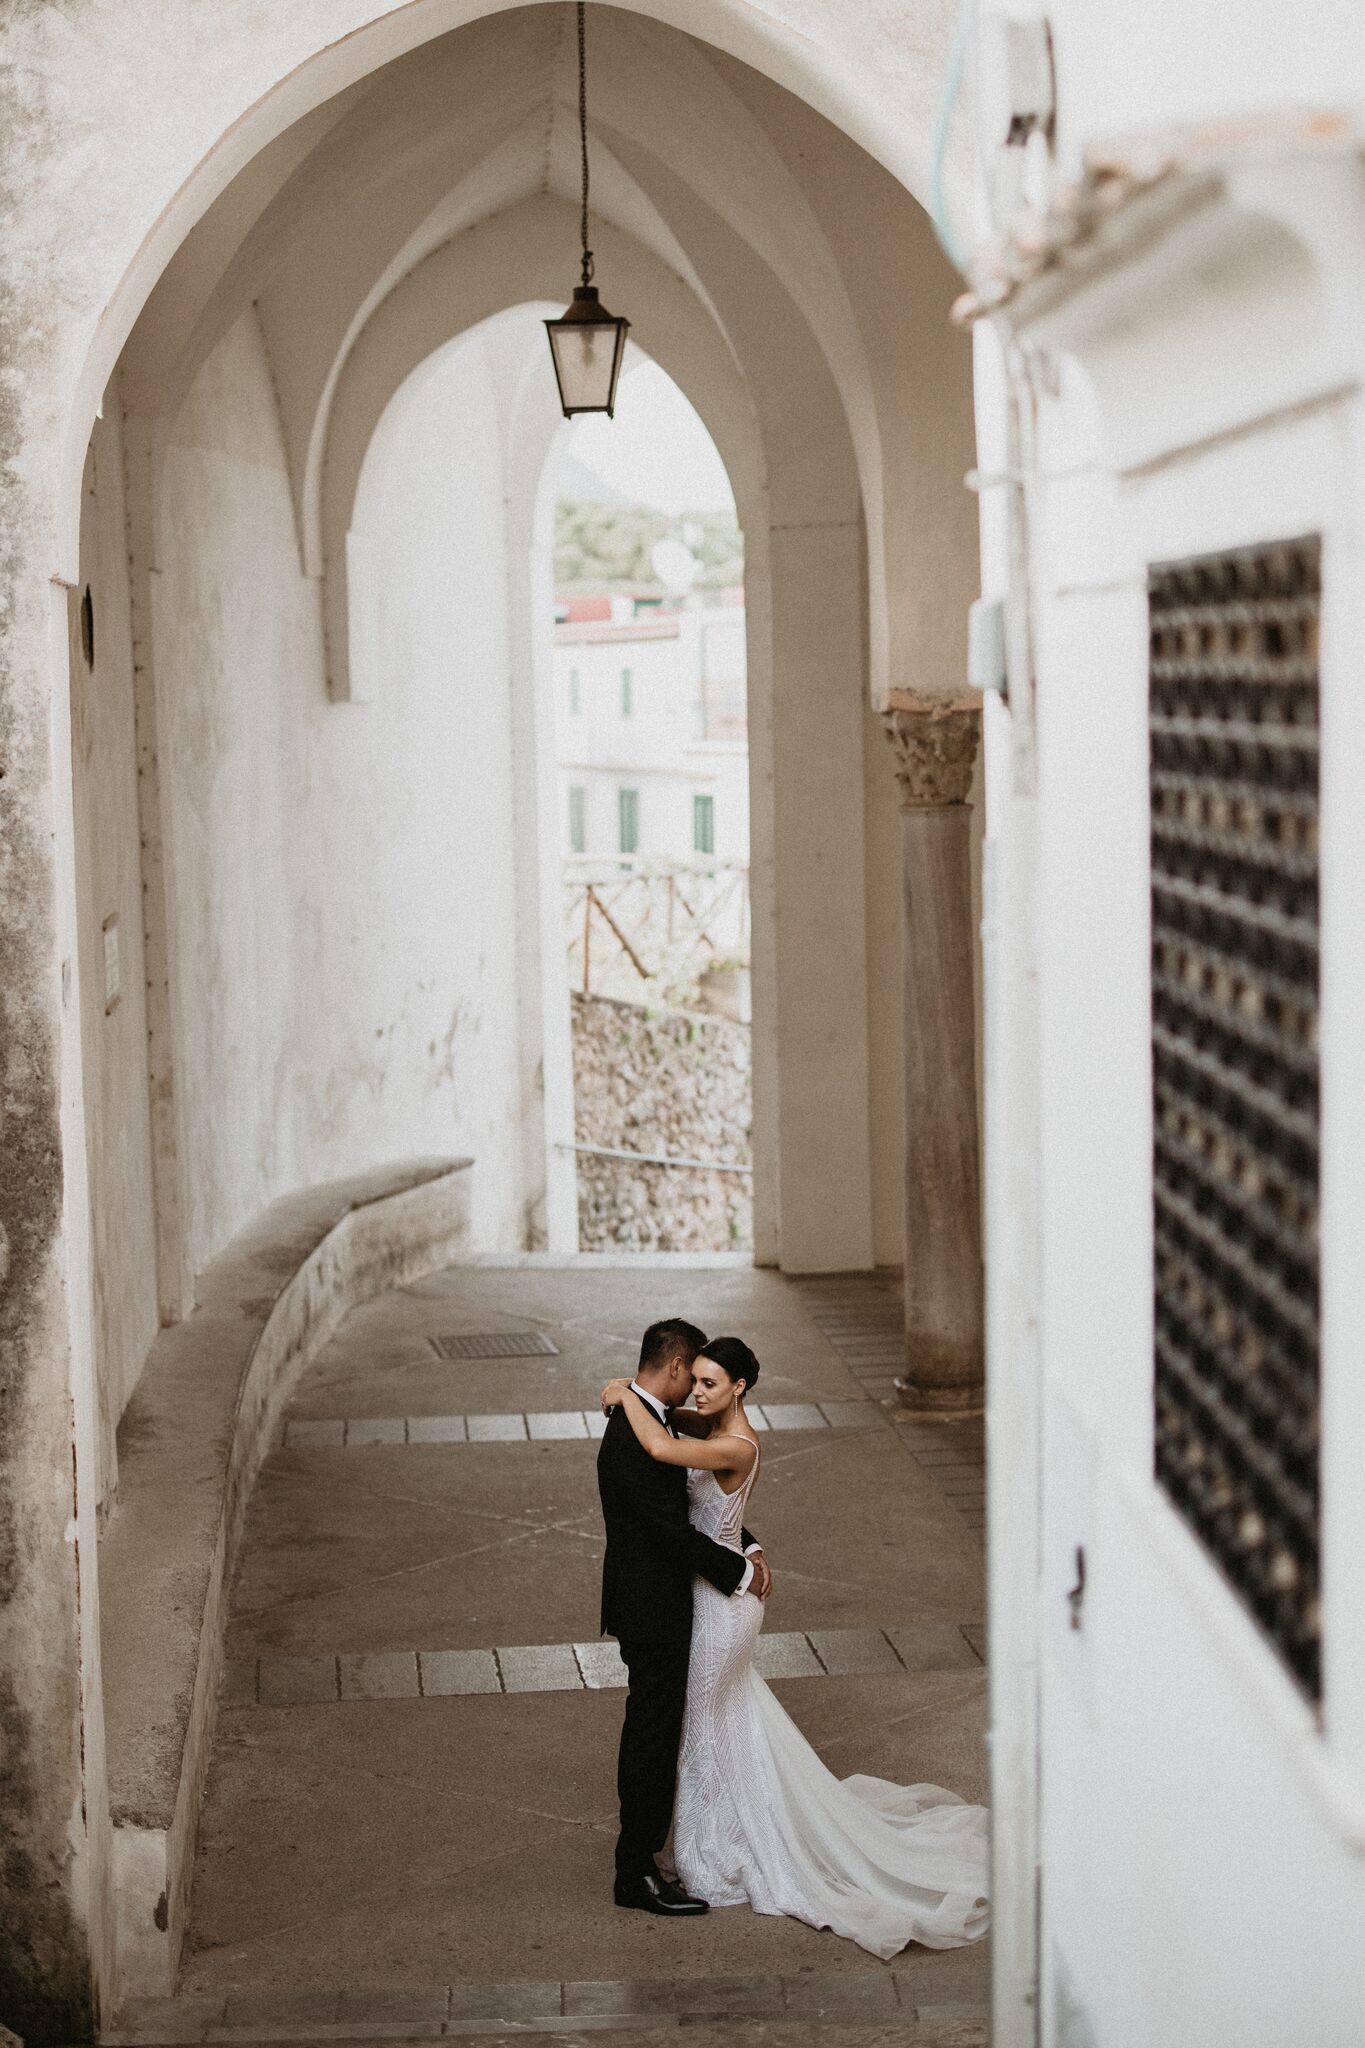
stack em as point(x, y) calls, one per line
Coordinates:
point(583, 133)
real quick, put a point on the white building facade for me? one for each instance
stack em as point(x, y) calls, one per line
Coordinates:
point(1168, 276)
point(652, 733)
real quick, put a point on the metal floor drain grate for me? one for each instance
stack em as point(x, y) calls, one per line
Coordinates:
point(495, 1344)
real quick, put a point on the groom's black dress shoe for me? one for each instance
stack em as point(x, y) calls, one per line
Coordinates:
point(652, 1892)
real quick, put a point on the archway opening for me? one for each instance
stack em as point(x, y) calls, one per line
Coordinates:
point(651, 725)
point(338, 791)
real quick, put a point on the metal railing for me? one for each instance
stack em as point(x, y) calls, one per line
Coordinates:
point(636, 924)
point(660, 1159)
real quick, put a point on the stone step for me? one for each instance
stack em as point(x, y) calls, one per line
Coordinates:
point(935, 2004)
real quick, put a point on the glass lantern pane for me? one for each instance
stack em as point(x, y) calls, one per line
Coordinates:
point(587, 358)
point(585, 355)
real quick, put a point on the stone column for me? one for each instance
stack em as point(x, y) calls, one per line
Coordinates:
point(935, 743)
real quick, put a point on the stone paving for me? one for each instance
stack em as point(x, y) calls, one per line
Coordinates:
point(551, 1426)
point(595, 1666)
point(861, 1315)
point(401, 1818)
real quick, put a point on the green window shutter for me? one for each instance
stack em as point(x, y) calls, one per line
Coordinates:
point(578, 821)
point(628, 818)
point(575, 694)
point(703, 824)
point(627, 692)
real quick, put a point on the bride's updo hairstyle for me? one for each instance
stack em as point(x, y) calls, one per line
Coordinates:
point(735, 1360)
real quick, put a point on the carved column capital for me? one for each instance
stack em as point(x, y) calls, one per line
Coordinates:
point(935, 748)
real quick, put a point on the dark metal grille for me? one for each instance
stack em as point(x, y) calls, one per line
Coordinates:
point(1234, 748)
point(495, 1344)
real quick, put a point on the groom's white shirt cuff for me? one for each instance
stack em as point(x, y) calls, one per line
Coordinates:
point(657, 1407)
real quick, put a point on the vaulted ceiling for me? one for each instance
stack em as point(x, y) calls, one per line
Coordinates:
point(815, 272)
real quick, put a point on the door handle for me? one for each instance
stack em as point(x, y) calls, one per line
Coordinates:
point(1075, 1598)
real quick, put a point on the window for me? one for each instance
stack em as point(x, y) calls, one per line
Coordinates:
point(578, 820)
point(627, 692)
point(575, 695)
point(1234, 777)
point(628, 819)
point(704, 824)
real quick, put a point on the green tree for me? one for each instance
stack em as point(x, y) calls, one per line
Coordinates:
point(607, 547)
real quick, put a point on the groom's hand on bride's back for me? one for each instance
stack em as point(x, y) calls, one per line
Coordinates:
point(762, 1582)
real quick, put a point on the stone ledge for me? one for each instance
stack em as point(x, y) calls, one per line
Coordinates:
point(207, 1409)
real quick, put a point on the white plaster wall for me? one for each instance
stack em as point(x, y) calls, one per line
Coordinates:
point(1237, 1911)
point(907, 387)
point(114, 1039)
point(1201, 1823)
point(340, 876)
point(819, 779)
point(533, 425)
point(1129, 66)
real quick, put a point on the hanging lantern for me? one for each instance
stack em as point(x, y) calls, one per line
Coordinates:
point(587, 342)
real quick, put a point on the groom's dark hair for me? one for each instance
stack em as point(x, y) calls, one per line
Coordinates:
point(663, 1341)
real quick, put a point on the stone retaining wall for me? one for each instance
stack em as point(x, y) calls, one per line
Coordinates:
point(671, 1082)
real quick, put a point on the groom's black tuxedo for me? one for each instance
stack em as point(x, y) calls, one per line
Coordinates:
point(653, 1553)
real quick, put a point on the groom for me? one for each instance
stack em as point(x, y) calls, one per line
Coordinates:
point(652, 1554)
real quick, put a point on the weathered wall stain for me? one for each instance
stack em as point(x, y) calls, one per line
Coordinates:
point(44, 1973)
point(44, 1970)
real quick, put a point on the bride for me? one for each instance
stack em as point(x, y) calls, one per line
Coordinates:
point(759, 1820)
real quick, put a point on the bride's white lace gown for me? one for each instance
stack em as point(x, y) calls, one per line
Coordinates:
point(760, 1821)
